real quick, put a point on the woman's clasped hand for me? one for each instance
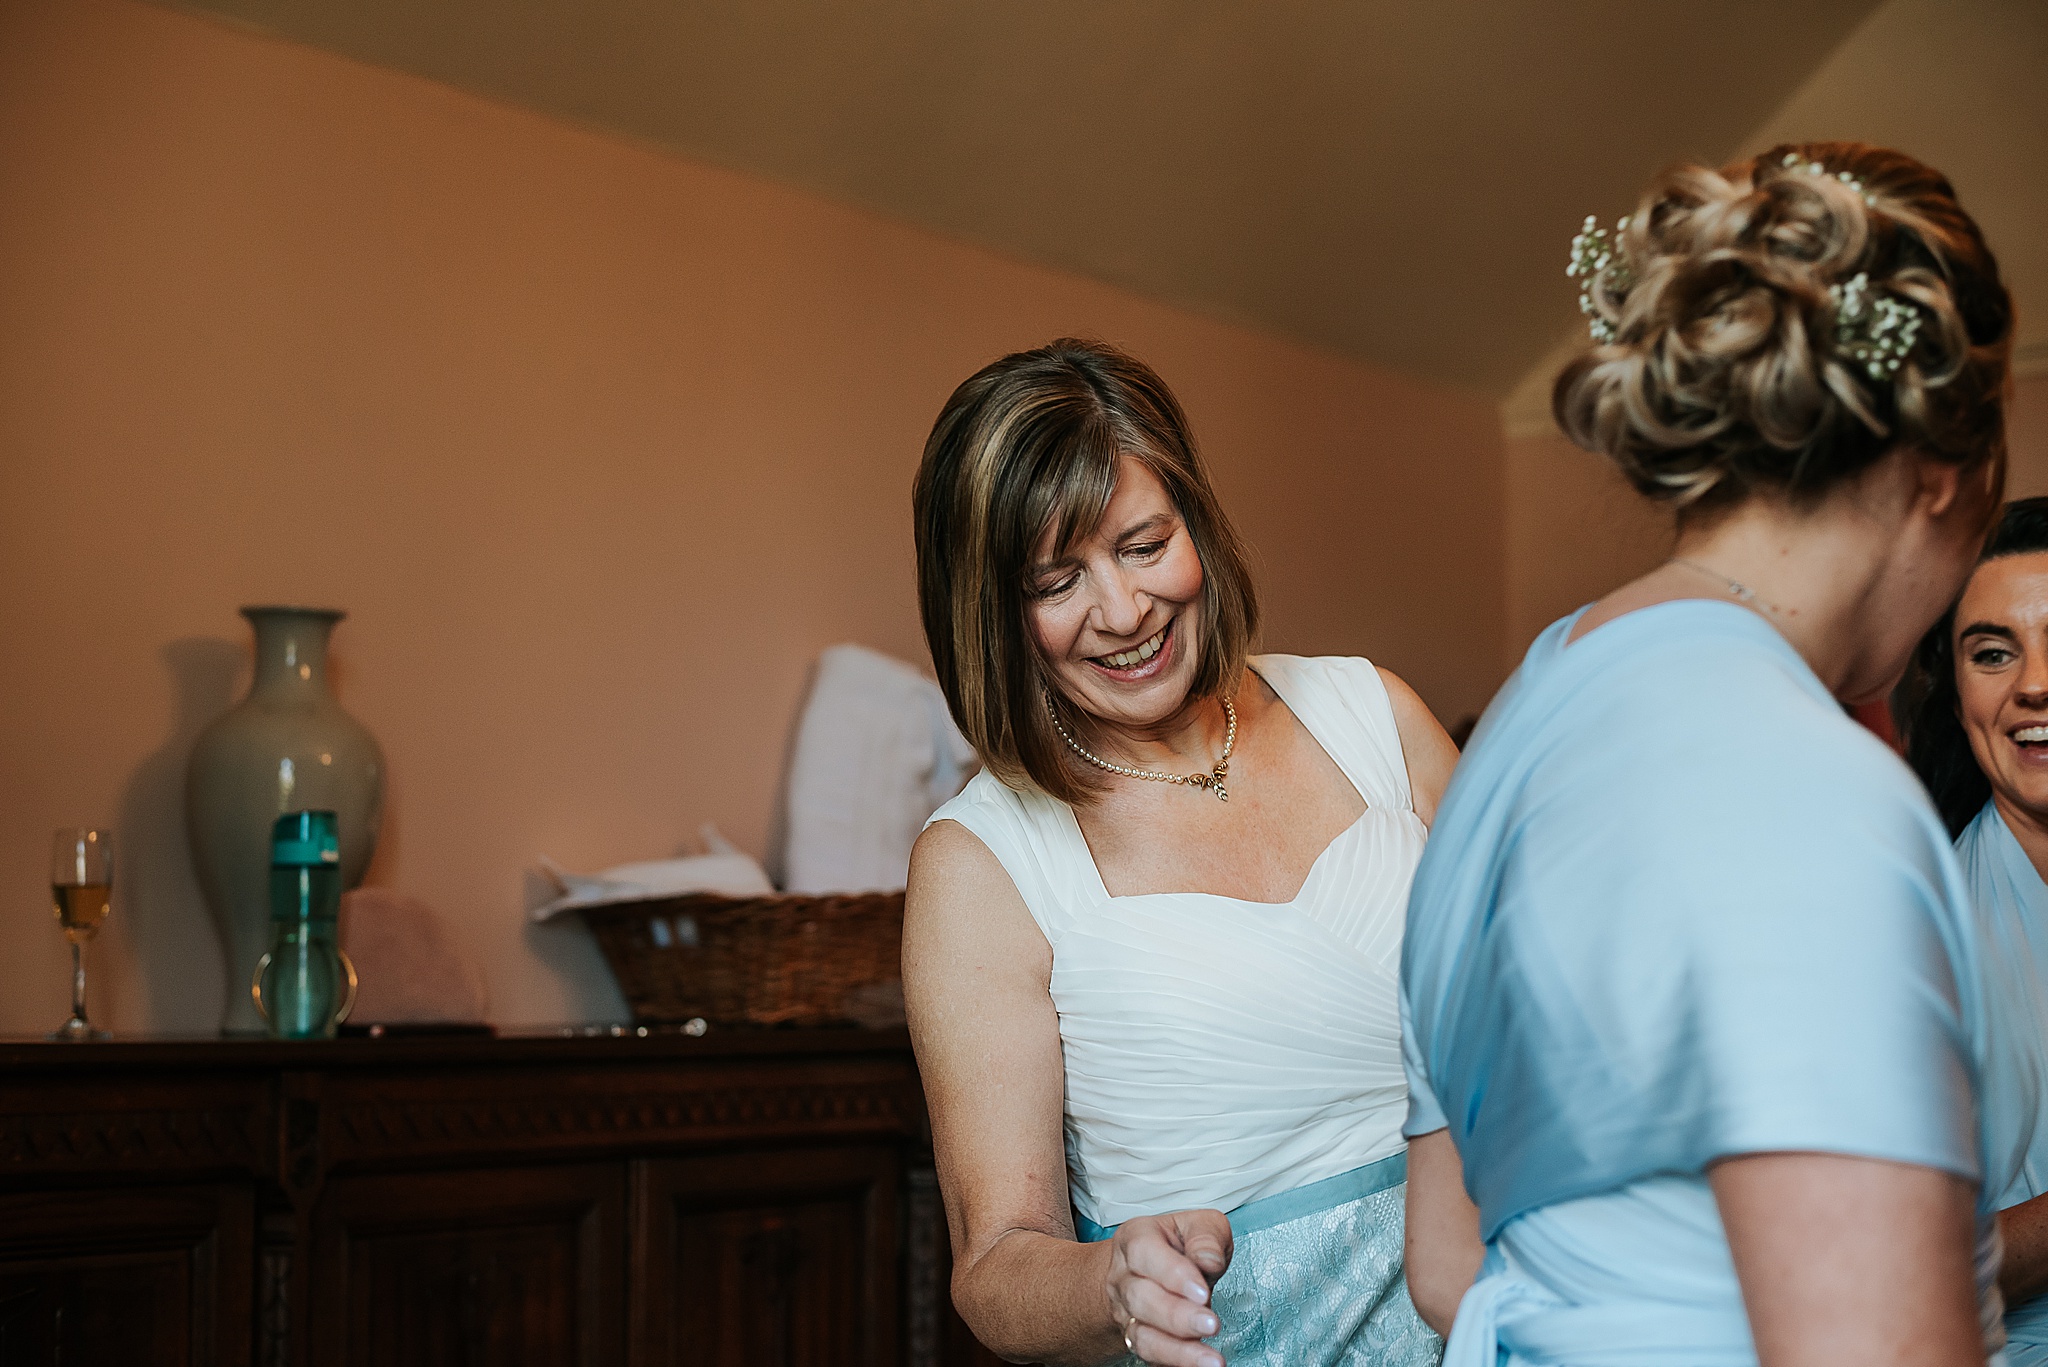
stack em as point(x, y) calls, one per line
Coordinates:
point(1160, 1270)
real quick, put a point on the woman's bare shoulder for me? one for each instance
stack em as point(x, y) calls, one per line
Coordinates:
point(960, 900)
point(1425, 746)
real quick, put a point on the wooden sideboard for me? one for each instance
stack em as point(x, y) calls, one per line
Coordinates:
point(751, 1197)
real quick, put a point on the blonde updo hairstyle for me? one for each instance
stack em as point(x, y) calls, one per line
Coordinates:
point(1726, 374)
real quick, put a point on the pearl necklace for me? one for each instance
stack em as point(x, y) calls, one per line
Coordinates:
point(1213, 780)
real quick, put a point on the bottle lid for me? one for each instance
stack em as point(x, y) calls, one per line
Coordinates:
point(304, 839)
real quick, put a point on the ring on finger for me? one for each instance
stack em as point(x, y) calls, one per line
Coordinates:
point(1130, 1331)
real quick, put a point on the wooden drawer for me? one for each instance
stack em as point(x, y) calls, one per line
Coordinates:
point(776, 1258)
point(513, 1267)
point(157, 1275)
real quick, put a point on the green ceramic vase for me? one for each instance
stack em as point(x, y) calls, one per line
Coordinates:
point(286, 747)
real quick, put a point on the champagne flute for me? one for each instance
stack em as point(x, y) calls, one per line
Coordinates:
point(81, 887)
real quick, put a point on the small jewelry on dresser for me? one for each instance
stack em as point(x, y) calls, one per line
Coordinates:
point(1213, 780)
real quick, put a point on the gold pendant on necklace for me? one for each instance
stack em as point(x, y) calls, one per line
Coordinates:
point(1213, 782)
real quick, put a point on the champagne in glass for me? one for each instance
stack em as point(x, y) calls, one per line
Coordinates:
point(81, 888)
point(81, 907)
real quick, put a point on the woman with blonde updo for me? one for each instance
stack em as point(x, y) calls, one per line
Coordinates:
point(1693, 990)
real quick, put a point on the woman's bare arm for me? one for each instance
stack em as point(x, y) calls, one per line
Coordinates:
point(1443, 1245)
point(976, 975)
point(1424, 744)
point(2023, 1229)
point(1852, 1260)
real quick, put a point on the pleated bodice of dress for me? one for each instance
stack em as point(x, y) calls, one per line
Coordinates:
point(1218, 1051)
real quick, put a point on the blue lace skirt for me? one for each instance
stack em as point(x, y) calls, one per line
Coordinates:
point(1319, 1289)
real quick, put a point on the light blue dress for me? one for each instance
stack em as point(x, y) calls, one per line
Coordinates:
point(2012, 907)
point(1676, 906)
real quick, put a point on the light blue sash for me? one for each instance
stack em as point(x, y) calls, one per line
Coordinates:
point(1268, 1211)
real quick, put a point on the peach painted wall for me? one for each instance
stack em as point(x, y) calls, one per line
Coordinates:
point(1575, 530)
point(598, 447)
point(2027, 438)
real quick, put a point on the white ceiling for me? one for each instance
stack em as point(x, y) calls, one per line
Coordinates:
point(1394, 181)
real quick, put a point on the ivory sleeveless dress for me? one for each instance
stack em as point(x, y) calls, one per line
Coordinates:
point(1246, 1056)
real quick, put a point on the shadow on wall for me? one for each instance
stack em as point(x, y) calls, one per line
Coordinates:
point(566, 946)
point(773, 861)
point(177, 949)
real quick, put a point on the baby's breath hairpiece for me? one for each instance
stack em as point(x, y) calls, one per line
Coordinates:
point(1596, 255)
point(1814, 168)
point(1874, 329)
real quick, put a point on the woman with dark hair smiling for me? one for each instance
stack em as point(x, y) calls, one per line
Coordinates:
point(1975, 716)
point(1149, 952)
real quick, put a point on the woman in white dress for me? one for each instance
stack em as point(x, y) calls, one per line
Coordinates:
point(1150, 952)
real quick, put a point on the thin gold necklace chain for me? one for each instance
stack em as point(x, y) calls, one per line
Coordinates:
point(1213, 780)
point(1736, 588)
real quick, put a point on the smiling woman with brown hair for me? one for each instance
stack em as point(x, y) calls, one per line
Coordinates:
point(1975, 715)
point(1149, 953)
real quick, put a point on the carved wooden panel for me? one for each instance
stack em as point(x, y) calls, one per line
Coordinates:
point(773, 1259)
point(517, 1267)
point(128, 1123)
point(370, 1120)
point(153, 1275)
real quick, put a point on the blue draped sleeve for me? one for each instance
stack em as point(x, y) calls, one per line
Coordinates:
point(1676, 907)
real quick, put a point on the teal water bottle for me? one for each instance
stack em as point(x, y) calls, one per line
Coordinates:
point(305, 985)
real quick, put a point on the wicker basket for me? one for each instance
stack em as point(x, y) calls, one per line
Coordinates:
point(757, 960)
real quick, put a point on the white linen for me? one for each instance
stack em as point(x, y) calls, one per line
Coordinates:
point(1218, 1051)
point(875, 753)
point(725, 869)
